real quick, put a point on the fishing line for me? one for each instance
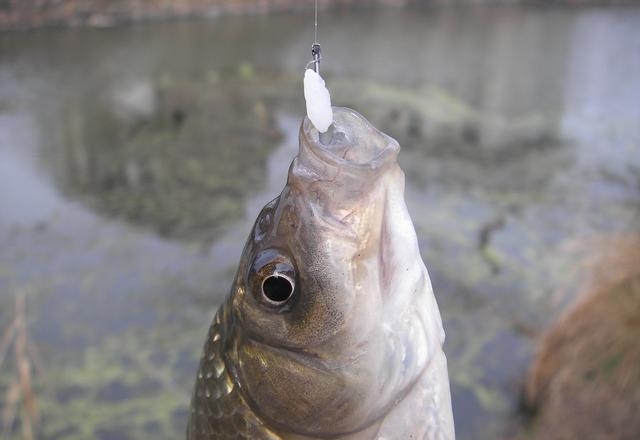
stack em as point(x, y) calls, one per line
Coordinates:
point(315, 36)
point(315, 48)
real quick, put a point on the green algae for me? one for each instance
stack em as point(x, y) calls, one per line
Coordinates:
point(123, 363)
point(609, 365)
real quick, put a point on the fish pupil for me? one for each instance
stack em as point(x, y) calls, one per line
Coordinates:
point(277, 289)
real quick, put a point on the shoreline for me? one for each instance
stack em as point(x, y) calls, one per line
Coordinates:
point(68, 14)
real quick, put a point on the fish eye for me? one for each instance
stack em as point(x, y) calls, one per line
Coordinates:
point(277, 288)
point(272, 278)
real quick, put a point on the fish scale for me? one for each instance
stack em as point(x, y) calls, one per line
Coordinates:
point(218, 410)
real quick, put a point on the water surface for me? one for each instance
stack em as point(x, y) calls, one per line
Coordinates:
point(134, 160)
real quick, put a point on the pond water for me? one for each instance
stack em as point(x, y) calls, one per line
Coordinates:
point(134, 160)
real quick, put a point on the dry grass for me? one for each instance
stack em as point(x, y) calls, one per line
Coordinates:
point(585, 382)
point(20, 400)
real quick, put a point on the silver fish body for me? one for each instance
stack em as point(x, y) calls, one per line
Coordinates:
point(331, 329)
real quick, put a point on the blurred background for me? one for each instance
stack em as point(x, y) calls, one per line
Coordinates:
point(139, 139)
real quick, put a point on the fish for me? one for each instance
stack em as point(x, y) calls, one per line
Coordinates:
point(331, 329)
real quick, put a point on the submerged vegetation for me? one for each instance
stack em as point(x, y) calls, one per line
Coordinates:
point(180, 156)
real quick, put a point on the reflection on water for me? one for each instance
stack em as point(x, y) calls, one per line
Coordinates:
point(146, 154)
point(134, 160)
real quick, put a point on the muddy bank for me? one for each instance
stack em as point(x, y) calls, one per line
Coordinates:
point(585, 382)
point(21, 14)
point(31, 14)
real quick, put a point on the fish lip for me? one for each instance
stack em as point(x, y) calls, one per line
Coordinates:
point(383, 149)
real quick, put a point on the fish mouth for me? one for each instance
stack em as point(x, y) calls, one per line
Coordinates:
point(351, 144)
point(341, 175)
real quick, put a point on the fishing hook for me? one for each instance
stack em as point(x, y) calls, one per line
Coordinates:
point(315, 49)
point(316, 57)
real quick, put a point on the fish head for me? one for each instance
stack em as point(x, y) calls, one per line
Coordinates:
point(331, 299)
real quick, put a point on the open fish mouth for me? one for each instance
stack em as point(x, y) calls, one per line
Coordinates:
point(351, 142)
point(340, 173)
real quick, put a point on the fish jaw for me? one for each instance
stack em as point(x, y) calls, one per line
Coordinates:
point(362, 325)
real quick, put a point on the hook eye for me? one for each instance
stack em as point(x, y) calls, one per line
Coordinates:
point(315, 58)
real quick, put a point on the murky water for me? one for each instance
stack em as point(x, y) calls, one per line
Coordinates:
point(134, 160)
